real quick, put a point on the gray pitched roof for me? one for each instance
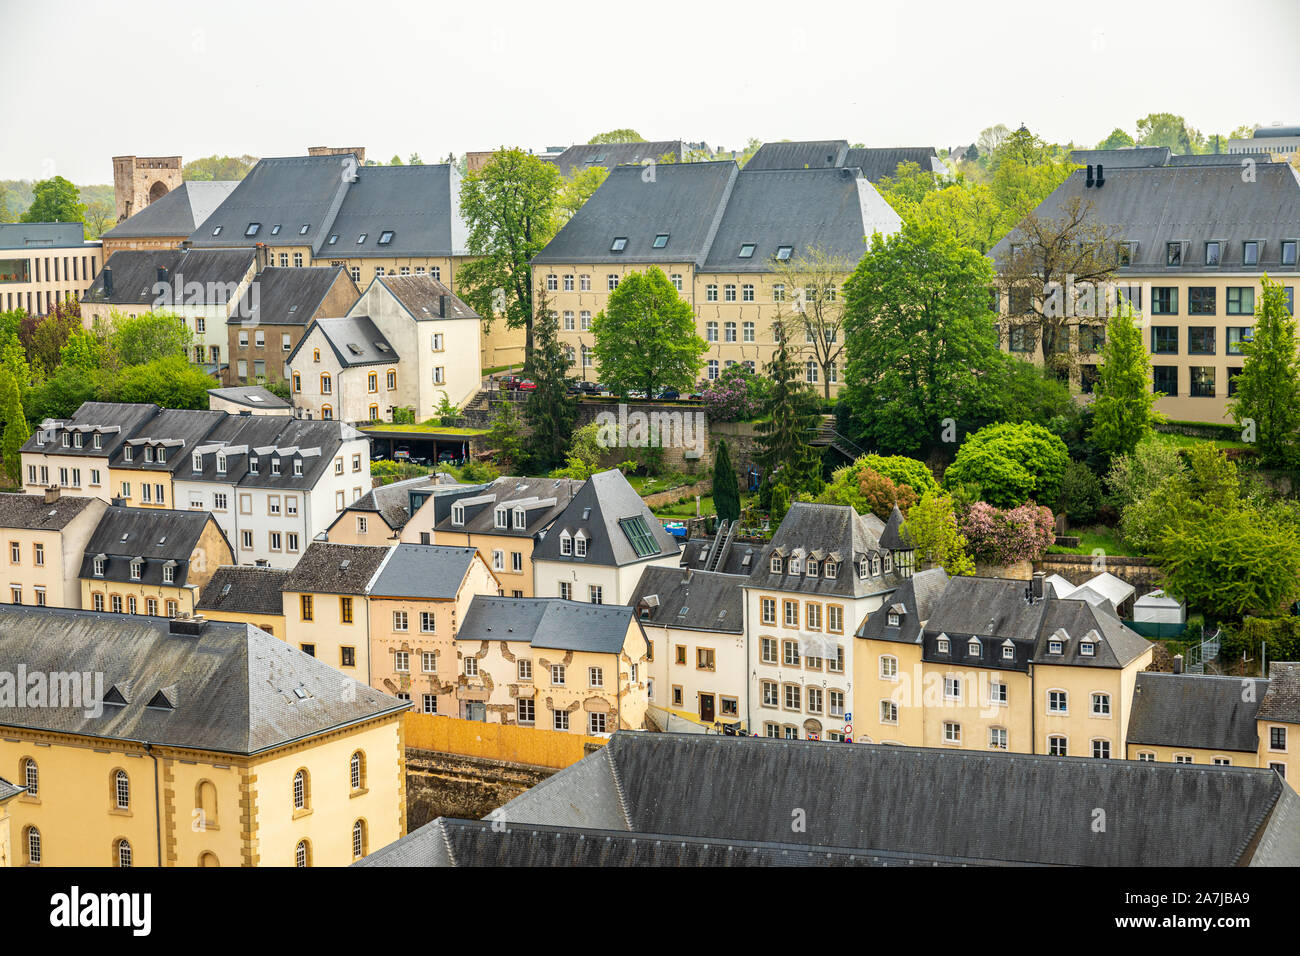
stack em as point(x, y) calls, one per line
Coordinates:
point(1189, 710)
point(547, 622)
point(1188, 204)
point(685, 202)
point(160, 536)
point(1219, 159)
point(604, 509)
point(806, 154)
point(895, 536)
point(288, 296)
point(392, 502)
point(840, 534)
point(426, 298)
point(326, 568)
point(959, 805)
point(542, 498)
point(1122, 158)
point(608, 155)
point(741, 558)
point(695, 600)
point(236, 435)
point(1282, 702)
point(918, 595)
point(244, 589)
point(25, 235)
point(231, 688)
point(431, 571)
point(832, 209)
point(192, 276)
point(115, 422)
point(290, 192)
point(478, 843)
point(419, 205)
point(8, 791)
point(250, 396)
point(354, 340)
point(178, 213)
point(33, 513)
point(878, 162)
point(270, 438)
point(175, 431)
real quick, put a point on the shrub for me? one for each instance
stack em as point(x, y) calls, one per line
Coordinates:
point(995, 536)
point(1080, 495)
point(1011, 463)
point(735, 396)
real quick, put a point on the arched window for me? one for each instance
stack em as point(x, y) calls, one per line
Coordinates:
point(123, 853)
point(357, 769)
point(302, 854)
point(391, 379)
point(122, 790)
point(326, 413)
point(374, 413)
point(301, 790)
point(359, 839)
point(315, 355)
point(205, 804)
point(372, 381)
point(33, 842)
point(208, 859)
point(31, 778)
point(326, 384)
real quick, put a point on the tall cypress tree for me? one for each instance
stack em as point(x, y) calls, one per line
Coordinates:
point(726, 490)
point(1122, 396)
point(550, 411)
point(784, 455)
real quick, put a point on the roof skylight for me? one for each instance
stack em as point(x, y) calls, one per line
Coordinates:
point(746, 250)
point(619, 244)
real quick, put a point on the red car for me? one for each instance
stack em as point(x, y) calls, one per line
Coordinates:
point(527, 385)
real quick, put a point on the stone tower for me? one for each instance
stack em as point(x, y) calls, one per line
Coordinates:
point(139, 180)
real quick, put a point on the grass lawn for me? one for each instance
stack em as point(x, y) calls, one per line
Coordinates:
point(687, 508)
point(1188, 441)
point(1090, 539)
point(425, 429)
point(645, 485)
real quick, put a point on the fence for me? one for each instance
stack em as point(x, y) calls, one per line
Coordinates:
point(506, 742)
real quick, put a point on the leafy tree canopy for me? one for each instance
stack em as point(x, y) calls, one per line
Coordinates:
point(1010, 463)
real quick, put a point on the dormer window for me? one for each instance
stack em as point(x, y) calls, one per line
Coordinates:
point(128, 453)
point(97, 440)
point(776, 564)
point(1212, 250)
point(889, 563)
point(942, 644)
point(252, 465)
point(1088, 649)
point(136, 566)
point(862, 569)
point(162, 456)
point(812, 568)
point(893, 618)
point(747, 250)
point(99, 567)
point(148, 453)
point(1250, 253)
point(619, 244)
point(499, 518)
point(221, 464)
point(458, 515)
point(1173, 253)
point(275, 466)
point(973, 649)
point(1124, 254)
point(1055, 647)
point(566, 544)
point(169, 573)
point(1289, 251)
point(1008, 652)
point(297, 467)
point(661, 240)
point(831, 569)
point(77, 440)
point(580, 545)
point(67, 440)
point(521, 518)
point(197, 462)
point(794, 565)
point(875, 564)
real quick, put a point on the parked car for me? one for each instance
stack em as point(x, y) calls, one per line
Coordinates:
point(573, 387)
point(403, 453)
point(527, 385)
point(669, 395)
point(446, 457)
point(589, 388)
point(509, 382)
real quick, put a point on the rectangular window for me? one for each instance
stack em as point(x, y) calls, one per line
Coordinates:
point(305, 607)
point(1202, 381)
point(1202, 300)
point(1164, 300)
point(1200, 340)
point(1164, 340)
point(1241, 300)
point(400, 620)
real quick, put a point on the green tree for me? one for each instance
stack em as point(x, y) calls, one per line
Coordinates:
point(790, 417)
point(814, 278)
point(55, 200)
point(1118, 139)
point(1169, 129)
point(646, 338)
point(907, 189)
point(60, 395)
point(506, 438)
point(1267, 403)
point(726, 490)
point(100, 217)
point(415, 160)
point(578, 189)
point(1207, 482)
point(582, 460)
point(936, 537)
point(918, 330)
point(509, 208)
point(617, 136)
point(1122, 397)
point(1010, 463)
point(137, 339)
point(16, 431)
point(395, 161)
point(85, 349)
point(220, 168)
point(550, 410)
point(170, 382)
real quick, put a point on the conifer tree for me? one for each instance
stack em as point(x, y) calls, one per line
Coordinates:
point(726, 490)
point(550, 411)
point(790, 421)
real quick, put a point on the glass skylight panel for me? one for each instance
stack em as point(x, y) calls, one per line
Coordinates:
point(386, 237)
point(783, 252)
point(303, 230)
point(252, 228)
point(217, 231)
point(619, 244)
point(747, 250)
point(275, 230)
point(639, 536)
point(361, 238)
point(661, 240)
point(333, 239)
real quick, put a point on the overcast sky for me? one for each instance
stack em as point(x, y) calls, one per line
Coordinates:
point(81, 82)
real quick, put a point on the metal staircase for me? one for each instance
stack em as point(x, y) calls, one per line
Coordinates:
point(827, 435)
point(722, 540)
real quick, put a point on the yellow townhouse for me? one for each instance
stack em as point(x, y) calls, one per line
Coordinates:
point(324, 601)
point(46, 537)
point(550, 663)
point(190, 743)
point(246, 593)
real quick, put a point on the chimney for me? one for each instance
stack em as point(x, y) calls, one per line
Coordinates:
point(1036, 587)
point(108, 280)
point(1089, 181)
point(118, 502)
point(51, 494)
point(187, 626)
point(1178, 663)
point(162, 273)
point(1101, 181)
point(442, 306)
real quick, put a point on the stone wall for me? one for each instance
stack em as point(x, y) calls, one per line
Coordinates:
point(1078, 568)
point(452, 785)
point(673, 495)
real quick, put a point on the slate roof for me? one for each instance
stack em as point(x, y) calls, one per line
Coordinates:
point(231, 688)
point(289, 192)
point(391, 502)
point(160, 536)
point(608, 155)
point(431, 571)
point(420, 205)
point(838, 533)
point(8, 790)
point(878, 162)
point(685, 202)
point(28, 235)
point(326, 568)
point(543, 499)
point(176, 431)
point(547, 623)
point(1188, 204)
point(178, 213)
point(1267, 132)
point(191, 275)
point(918, 595)
point(1122, 158)
point(916, 801)
point(599, 509)
point(354, 340)
point(235, 435)
point(250, 396)
point(32, 513)
point(832, 209)
point(1219, 159)
point(1282, 702)
point(995, 610)
point(1192, 711)
point(694, 600)
point(477, 843)
point(895, 536)
point(115, 421)
point(268, 438)
point(244, 589)
point(806, 154)
point(289, 296)
point(422, 296)
point(741, 558)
